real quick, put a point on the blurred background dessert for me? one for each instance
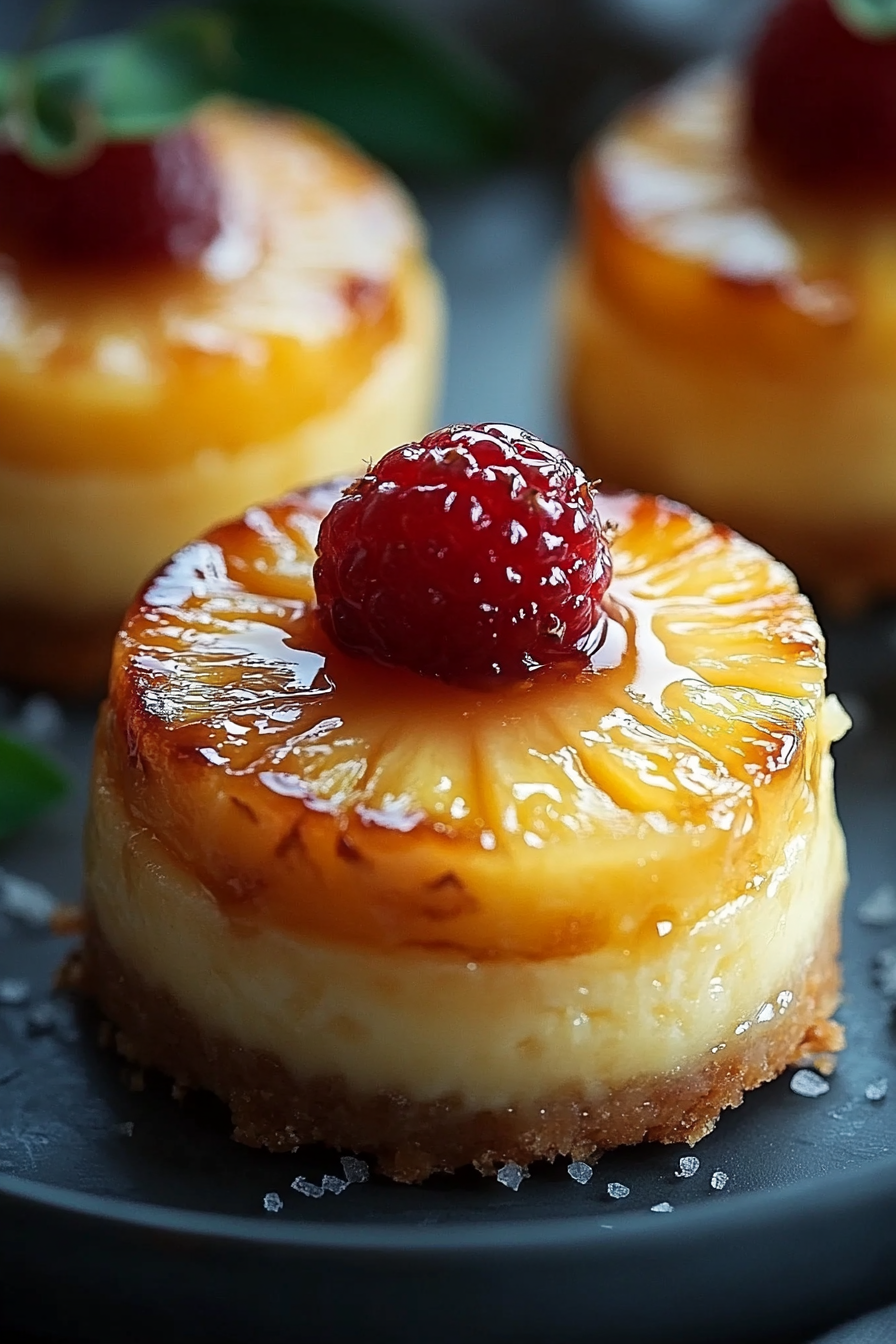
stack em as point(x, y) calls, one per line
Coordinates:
point(726, 310)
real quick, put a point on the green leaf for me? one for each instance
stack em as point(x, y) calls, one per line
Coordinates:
point(404, 95)
point(28, 783)
point(872, 19)
point(129, 86)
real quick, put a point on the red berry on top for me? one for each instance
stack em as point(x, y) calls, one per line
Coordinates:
point(477, 552)
point(822, 98)
point(136, 203)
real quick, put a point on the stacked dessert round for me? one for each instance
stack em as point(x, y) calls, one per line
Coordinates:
point(730, 334)
point(451, 923)
point(144, 401)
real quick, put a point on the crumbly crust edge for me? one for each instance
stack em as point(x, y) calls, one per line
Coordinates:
point(410, 1140)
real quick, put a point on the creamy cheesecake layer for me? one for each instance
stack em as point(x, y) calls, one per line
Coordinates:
point(81, 542)
point(740, 437)
point(490, 1034)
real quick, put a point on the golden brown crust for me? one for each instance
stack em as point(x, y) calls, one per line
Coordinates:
point(70, 658)
point(272, 1109)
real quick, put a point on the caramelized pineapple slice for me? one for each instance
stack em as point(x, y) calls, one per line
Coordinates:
point(332, 796)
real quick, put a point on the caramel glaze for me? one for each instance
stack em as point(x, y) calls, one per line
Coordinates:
point(689, 230)
point(587, 806)
point(281, 317)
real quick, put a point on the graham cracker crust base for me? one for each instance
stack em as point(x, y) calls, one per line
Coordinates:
point(69, 658)
point(410, 1140)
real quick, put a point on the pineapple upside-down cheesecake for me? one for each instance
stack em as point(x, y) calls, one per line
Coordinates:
point(464, 815)
point(187, 325)
point(728, 309)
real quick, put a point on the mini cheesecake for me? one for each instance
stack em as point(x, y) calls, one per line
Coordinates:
point(729, 335)
point(143, 402)
point(449, 923)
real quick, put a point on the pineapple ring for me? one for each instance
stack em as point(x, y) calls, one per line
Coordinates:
point(729, 339)
point(329, 796)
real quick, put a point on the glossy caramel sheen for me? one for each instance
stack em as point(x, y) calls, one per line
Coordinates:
point(284, 316)
point(687, 232)
point(613, 804)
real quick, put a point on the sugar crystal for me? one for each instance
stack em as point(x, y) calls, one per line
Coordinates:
point(718, 1180)
point(272, 1202)
point(27, 901)
point(14, 992)
point(512, 1175)
point(581, 1172)
point(335, 1184)
point(805, 1083)
point(884, 972)
point(616, 1190)
point(879, 909)
point(665, 1207)
point(40, 719)
point(308, 1188)
point(876, 1090)
point(687, 1167)
point(356, 1170)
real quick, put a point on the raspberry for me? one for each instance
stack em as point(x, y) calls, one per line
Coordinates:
point(475, 553)
point(823, 98)
point(136, 202)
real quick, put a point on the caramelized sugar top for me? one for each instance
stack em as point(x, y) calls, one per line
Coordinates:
point(686, 226)
point(331, 794)
point(284, 315)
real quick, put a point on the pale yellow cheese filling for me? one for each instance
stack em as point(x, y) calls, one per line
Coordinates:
point(79, 543)
point(491, 1034)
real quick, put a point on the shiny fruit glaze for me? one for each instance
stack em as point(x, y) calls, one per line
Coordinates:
point(822, 99)
point(335, 797)
point(477, 552)
point(287, 312)
point(137, 204)
point(686, 236)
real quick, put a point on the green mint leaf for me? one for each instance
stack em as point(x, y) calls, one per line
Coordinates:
point(404, 95)
point(29, 782)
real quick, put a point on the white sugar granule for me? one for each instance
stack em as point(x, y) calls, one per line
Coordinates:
point(356, 1170)
point(512, 1175)
point(308, 1188)
point(14, 992)
point(879, 909)
point(805, 1083)
point(580, 1172)
point(25, 900)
